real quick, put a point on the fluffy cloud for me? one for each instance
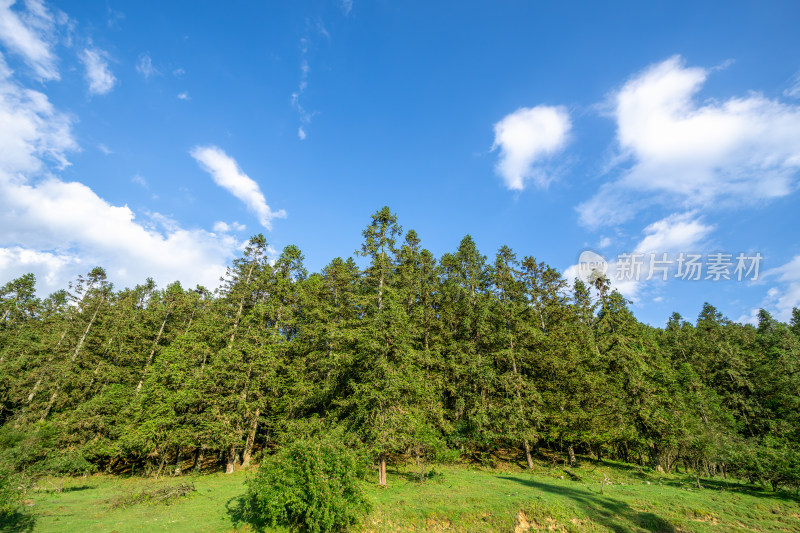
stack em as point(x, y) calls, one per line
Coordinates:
point(27, 34)
point(58, 229)
point(16, 261)
point(227, 174)
point(224, 227)
point(526, 138)
point(691, 155)
point(679, 232)
point(33, 131)
point(782, 299)
point(73, 220)
point(98, 73)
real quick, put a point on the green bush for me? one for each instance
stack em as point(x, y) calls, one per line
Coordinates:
point(37, 452)
point(310, 485)
point(9, 497)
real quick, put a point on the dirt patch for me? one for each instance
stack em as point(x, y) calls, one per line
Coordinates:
point(434, 524)
point(708, 518)
point(525, 523)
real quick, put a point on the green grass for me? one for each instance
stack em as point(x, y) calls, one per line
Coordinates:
point(86, 505)
point(488, 500)
point(456, 498)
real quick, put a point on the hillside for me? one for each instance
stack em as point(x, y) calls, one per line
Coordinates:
point(453, 498)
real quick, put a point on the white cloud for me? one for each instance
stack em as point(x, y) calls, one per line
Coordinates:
point(793, 91)
point(27, 34)
point(305, 69)
point(184, 96)
point(526, 138)
point(16, 261)
point(67, 219)
point(58, 229)
point(114, 17)
point(675, 234)
point(781, 300)
point(695, 155)
point(347, 6)
point(679, 232)
point(224, 227)
point(98, 74)
point(227, 174)
point(32, 130)
point(145, 67)
point(139, 180)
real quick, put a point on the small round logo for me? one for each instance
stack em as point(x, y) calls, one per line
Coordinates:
point(591, 266)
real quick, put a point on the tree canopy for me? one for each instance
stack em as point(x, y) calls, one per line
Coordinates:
point(407, 354)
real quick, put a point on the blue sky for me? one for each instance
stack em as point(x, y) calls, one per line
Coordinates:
point(153, 138)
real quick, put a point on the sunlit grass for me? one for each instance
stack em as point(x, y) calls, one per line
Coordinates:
point(453, 498)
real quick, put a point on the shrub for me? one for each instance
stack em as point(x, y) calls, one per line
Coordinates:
point(37, 452)
point(310, 485)
point(9, 497)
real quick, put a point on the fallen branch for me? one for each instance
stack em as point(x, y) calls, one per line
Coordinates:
point(154, 496)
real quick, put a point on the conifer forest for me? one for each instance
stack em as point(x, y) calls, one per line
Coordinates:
point(402, 353)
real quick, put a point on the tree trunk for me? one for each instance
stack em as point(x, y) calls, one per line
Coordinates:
point(161, 466)
point(231, 460)
point(50, 404)
point(198, 460)
point(74, 356)
point(49, 359)
point(152, 353)
point(656, 456)
point(178, 462)
point(86, 332)
point(35, 388)
point(251, 437)
point(94, 377)
point(528, 456)
point(519, 404)
point(241, 305)
point(696, 469)
point(382, 470)
point(572, 460)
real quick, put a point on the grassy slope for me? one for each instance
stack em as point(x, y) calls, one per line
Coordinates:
point(460, 498)
point(84, 505)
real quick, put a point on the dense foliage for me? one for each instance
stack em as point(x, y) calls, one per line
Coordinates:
point(411, 354)
point(309, 485)
point(9, 498)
